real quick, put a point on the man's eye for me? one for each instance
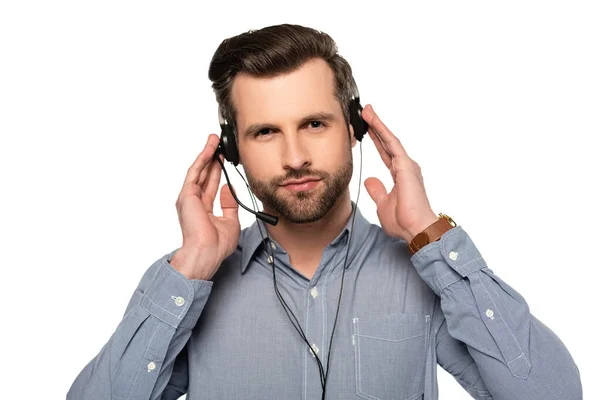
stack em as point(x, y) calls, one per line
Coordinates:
point(263, 132)
point(316, 124)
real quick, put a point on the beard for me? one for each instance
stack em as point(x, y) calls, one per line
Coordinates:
point(305, 206)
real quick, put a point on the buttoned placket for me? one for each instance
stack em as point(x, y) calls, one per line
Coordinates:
point(320, 318)
point(313, 326)
point(317, 318)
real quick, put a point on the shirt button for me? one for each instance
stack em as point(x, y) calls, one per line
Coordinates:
point(270, 259)
point(273, 246)
point(151, 366)
point(313, 292)
point(314, 349)
point(453, 255)
point(179, 301)
point(489, 313)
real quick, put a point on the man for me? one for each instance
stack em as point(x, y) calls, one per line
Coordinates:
point(262, 313)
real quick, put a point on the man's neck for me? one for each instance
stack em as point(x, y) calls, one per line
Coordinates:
point(305, 243)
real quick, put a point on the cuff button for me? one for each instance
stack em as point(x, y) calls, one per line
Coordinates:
point(179, 301)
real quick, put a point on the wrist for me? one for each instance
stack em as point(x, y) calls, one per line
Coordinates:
point(432, 233)
point(422, 225)
point(190, 263)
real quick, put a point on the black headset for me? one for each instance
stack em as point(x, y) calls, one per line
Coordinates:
point(228, 146)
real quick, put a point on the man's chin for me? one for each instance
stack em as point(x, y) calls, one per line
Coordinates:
point(302, 218)
point(301, 210)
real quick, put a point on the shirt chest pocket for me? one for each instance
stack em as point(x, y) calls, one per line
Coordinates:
point(390, 352)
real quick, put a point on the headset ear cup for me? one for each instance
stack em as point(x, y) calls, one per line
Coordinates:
point(228, 145)
point(358, 123)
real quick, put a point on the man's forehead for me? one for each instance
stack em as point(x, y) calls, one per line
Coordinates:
point(307, 89)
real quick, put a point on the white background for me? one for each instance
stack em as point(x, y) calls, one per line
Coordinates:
point(104, 105)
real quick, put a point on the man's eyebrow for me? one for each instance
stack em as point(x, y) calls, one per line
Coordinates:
point(318, 116)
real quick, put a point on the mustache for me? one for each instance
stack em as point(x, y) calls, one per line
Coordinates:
point(299, 174)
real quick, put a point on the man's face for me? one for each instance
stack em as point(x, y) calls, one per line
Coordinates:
point(291, 128)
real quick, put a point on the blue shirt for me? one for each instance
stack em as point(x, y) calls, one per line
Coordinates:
point(400, 316)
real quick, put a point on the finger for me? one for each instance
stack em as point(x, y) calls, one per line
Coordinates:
point(376, 190)
point(383, 153)
point(376, 137)
point(204, 173)
point(213, 168)
point(202, 161)
point(228, 204)
point(388, 139)
point(211, 185)
point(194, 169)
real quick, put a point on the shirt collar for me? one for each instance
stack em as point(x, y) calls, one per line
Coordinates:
point(251, 240)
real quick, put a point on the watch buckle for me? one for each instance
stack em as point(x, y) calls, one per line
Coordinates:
point(450, 220)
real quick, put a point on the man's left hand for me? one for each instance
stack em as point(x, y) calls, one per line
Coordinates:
point(405, 211)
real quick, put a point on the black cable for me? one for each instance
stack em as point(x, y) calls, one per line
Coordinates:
point(272, 255)
point(343, 274)
point(284, 304)
point(265, 217)
point(297, 326)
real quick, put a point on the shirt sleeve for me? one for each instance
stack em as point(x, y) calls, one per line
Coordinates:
point(138, 360)
point(516, 355)
point(453, 355)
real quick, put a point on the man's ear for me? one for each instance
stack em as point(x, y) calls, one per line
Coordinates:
point(237, 145)
point(352, 137)
point(240, 158)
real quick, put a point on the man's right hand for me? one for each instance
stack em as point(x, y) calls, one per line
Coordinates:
point(207, 239)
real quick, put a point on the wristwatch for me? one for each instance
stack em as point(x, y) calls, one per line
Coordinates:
point(432, 233)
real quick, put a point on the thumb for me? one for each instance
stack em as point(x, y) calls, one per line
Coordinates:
point(228, 203)
point(376, 190)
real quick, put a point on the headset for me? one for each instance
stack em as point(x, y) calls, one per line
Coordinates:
point(228, 147)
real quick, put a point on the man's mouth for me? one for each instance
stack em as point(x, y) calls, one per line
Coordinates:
point(298, 185)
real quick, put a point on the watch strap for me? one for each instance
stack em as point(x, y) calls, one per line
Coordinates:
point(432, 233)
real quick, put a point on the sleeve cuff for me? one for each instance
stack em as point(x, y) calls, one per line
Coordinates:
point(173, 298)
point(448, 260)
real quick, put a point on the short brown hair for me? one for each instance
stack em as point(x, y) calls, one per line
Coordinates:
point(272, 51)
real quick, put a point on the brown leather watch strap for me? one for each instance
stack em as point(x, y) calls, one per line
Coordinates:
point(432, 233)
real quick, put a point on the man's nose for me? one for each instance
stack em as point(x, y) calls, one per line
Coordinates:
point(295, 152)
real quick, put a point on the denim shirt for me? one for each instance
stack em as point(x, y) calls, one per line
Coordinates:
point(400, 316)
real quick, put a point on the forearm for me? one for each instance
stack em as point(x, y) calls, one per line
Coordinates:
point(137, 360)
point(516, 355)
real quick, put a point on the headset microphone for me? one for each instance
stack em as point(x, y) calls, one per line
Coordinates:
point(268, 218)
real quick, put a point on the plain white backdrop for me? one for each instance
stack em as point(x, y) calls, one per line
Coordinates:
point(104, 105)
